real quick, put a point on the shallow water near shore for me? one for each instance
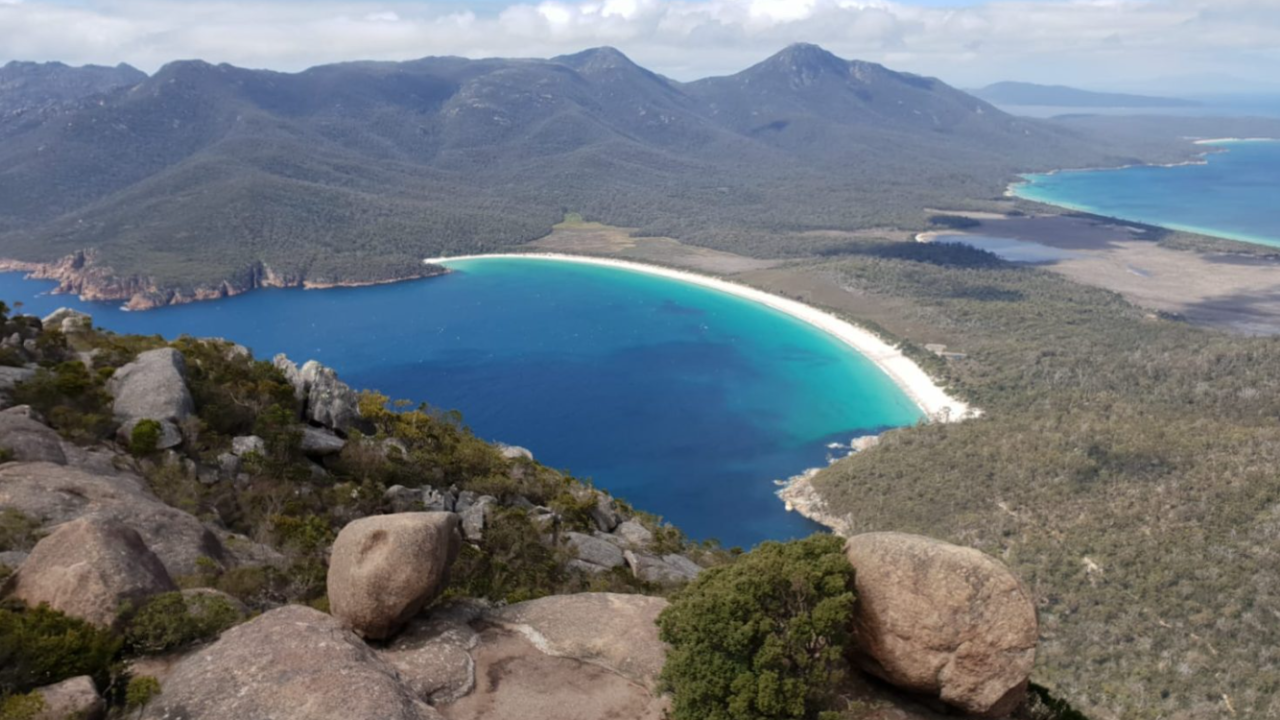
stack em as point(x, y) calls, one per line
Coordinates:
point(1232, 195)
point(686, 401)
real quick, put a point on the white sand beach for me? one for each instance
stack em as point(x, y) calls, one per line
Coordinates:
point(932, 400)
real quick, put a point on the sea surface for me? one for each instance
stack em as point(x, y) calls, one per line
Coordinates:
point(1235, 194)
point(686, 401)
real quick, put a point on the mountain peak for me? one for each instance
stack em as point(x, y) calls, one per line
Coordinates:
point(803, 64)
point(595, 59)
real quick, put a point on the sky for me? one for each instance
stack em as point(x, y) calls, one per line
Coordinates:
point(1186, 46)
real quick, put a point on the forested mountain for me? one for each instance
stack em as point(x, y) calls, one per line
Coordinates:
point(1020, 93)
point(28, 86)
point(216, 178)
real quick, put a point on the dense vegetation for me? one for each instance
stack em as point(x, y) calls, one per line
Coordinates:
point(355, 172)
point(1125, 467)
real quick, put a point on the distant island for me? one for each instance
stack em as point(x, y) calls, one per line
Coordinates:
point(1028, 94)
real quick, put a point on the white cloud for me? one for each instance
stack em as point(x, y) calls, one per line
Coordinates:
point(1092, 41)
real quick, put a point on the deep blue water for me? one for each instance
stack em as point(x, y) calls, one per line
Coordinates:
point(686, 401)
point(1235, 194)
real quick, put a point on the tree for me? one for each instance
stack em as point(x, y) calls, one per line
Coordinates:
point(763, 638)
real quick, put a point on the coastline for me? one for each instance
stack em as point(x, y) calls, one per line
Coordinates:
point(914, 382)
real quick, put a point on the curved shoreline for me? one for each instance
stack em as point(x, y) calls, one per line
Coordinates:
point(914, 382)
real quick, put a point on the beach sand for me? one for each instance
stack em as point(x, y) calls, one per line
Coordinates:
point(932, 400)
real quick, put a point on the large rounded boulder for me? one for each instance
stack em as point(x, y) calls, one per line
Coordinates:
point(90, 568)
point(942, 620)
point(153, 387)
point(292, 663)
point(385, 568)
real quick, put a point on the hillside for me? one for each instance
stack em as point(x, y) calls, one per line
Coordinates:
point(1020, 93)
point(205, 180)
point(28, 88)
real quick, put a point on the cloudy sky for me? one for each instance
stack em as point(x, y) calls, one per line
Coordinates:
point(1199, 45)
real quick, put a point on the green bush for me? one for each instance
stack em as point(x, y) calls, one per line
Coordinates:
point(173, 620)
point(27, 706)
point(144, 438)
point(762, 638)
point(140, 691)
point(40, 646)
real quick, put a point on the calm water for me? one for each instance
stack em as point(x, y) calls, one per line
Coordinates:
point(1236, 194)
point(1023, 251)
point(686, 401)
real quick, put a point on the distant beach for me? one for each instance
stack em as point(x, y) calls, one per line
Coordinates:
point(932, 400)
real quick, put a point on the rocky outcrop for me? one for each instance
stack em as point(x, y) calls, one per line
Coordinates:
point(615, 632)
point(152, 387)
point(246, 444)
point(75, 698)
point(81, 273)
point(292, 663)
point(942, 620)
point(317, 442)
point(669, 569)
point(67, 321)
point(385, 568)
point(433, 653)
point(323, 399)
point(29, 440)
point(90, 568)
point(54, 494)
point(594, 554)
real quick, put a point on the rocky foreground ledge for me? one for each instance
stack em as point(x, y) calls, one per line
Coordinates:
point(401, 613)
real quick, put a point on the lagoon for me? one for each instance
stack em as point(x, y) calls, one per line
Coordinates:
point(1233, 194)
point(684, 400)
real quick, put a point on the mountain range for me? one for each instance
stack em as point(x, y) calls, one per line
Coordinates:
point(205, 180)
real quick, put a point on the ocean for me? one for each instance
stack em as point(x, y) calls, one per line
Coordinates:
point(685, 401)
point(1234, 194)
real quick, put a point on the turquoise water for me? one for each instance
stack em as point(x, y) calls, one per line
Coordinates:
point(1235, 194)
point(686, 401)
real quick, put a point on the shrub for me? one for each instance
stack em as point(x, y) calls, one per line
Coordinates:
point(173, 620)
point(140, 691)
point(144, 438)
point(22, 707)
point(762, 638)
point(40, 646)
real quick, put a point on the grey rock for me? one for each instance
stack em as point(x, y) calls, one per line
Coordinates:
point(89, 568)
point(652, 569)
point(152, 387)
point(544, 518)
point(246, 444)
point(228, 466)
point(54, 494)
point(594, 551)
point(683, 565)
point(634, 534)
point(475, 516)
point(466, 499)
point(616, 632)
point(385, 568)
point(67, 321)
point(433, 653)
point(75, 698)
point(514, 452)
point(403, 499)
point(318, 442)
point(438, 500)
point(29, 440)
point(292, 663)
point(330, 402)
point(604, 514)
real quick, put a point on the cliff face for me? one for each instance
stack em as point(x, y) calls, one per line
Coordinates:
point(81, 274)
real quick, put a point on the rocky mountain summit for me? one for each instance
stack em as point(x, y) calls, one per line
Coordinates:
point(186, 532)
